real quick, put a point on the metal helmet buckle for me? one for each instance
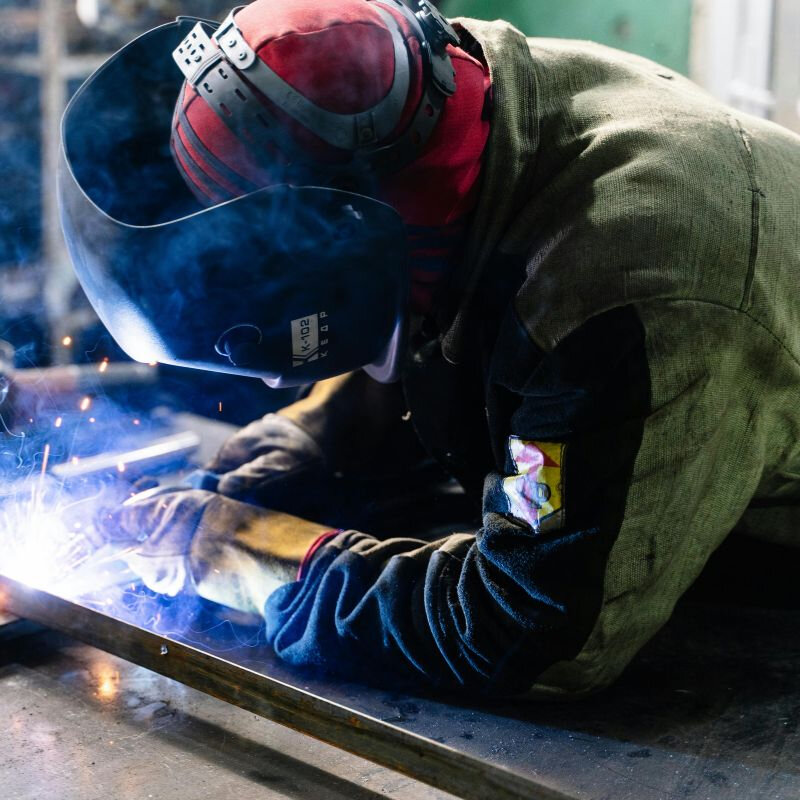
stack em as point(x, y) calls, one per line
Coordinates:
point(438, 30)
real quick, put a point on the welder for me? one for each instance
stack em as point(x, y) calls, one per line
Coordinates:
point(563, 272)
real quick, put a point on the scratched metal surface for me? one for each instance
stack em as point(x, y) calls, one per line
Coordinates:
point(710, 709)
point(79, 724)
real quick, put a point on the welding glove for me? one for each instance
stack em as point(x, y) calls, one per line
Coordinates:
point(300, 460)
point(271, 462)
point(226, 551)
point(156, 527)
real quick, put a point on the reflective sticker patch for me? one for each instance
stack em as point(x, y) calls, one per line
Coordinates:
point(535, 493)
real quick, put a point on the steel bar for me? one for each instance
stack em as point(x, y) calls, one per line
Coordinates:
point(60, 277)
point(388, 745)
point(158, 454)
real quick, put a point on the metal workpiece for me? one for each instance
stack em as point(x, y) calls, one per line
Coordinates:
point(81, 724)
point(708, 710)
point(384, 743)
point(156, 455)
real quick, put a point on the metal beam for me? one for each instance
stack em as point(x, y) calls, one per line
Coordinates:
point(423, 759)
point(60, 278)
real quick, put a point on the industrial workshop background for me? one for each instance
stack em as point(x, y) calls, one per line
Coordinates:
point(744, 51)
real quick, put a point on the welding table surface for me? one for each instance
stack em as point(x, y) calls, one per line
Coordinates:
point(710, 709)
point(83, 725)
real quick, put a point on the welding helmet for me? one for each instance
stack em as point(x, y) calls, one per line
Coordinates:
point(290, 283)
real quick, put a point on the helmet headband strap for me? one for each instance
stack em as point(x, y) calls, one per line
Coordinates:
point(218, 72)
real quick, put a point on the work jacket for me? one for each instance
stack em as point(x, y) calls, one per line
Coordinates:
point(616, 370)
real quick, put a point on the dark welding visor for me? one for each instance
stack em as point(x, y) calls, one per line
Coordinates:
point(289, 284)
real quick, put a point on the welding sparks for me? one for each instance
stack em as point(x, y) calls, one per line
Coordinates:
point(85, 403)
point(67, 341)
point(45, 458)
point(44, 546)
point(121, 467)
point(38, 550)
point(220, 406)
point(58, 422)
point(103, 365)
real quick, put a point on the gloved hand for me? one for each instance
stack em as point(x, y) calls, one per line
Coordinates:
point(158, 524)
point(315, 457)
point(226, 551)
point(271, 462)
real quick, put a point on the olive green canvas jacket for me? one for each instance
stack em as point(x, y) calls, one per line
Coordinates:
point(629, 311)
point(623, 183)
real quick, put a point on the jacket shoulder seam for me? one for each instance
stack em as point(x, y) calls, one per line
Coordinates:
point(745, 149)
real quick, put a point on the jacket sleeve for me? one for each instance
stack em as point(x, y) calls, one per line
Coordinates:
point(584, 444)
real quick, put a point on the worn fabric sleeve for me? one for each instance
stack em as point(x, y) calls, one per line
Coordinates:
point(496, 609)
point(721, 385)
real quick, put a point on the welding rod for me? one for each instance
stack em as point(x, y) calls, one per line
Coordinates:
point(159, 454)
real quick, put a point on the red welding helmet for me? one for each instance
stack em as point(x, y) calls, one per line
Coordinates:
point(338, 91)
point(281, 282)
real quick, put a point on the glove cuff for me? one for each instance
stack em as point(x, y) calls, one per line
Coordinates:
point(321, 540)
